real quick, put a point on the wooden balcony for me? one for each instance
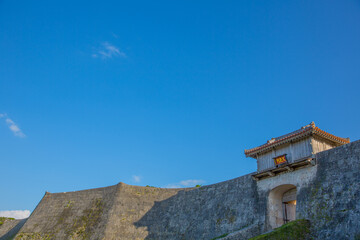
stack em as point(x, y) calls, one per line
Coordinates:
point(287, 167)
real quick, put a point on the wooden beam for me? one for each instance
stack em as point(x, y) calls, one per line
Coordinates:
point(312, 161)
point(290, 169)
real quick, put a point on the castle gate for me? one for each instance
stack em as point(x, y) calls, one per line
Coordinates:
point(281, 205)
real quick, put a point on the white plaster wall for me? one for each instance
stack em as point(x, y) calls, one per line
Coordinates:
point(275, 187)
point(319, 146)
point(298, 178)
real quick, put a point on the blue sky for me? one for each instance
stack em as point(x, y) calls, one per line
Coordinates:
point(165, 93)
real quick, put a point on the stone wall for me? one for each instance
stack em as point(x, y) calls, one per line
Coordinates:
point(131, 204)
point(132, 212)
point(10, 227)
point(332, 201)
point(328, 195)
point(76, 215)
point(206, 212)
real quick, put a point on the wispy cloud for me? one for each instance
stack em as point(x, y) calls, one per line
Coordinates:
point(186, 183)
point(136, 178)
point(114, 35)
point(17, 214)
point(108, 50)
point(12, 126)
point(191, 182)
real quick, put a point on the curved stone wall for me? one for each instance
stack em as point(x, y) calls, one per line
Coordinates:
point(134, 212)
point(328, 195)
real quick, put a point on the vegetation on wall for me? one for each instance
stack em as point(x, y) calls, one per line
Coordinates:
point(219, 237)
point(83, 226)
point(295, 230)
point(4, 219)
point(35, 236)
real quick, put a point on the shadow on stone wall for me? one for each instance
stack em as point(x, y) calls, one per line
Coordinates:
point(331, 202)
point(206, 212)
point(11, 233)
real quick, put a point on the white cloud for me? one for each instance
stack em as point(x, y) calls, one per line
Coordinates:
point(173, 186)
point(12, 126)
point(191, 182)
point(136, 178)
point(186, 183)
point(17, 214)
point(108, 50)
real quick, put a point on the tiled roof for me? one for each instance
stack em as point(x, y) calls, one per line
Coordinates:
point(305, 131)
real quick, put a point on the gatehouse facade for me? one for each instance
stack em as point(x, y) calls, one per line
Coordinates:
point(285, 164)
